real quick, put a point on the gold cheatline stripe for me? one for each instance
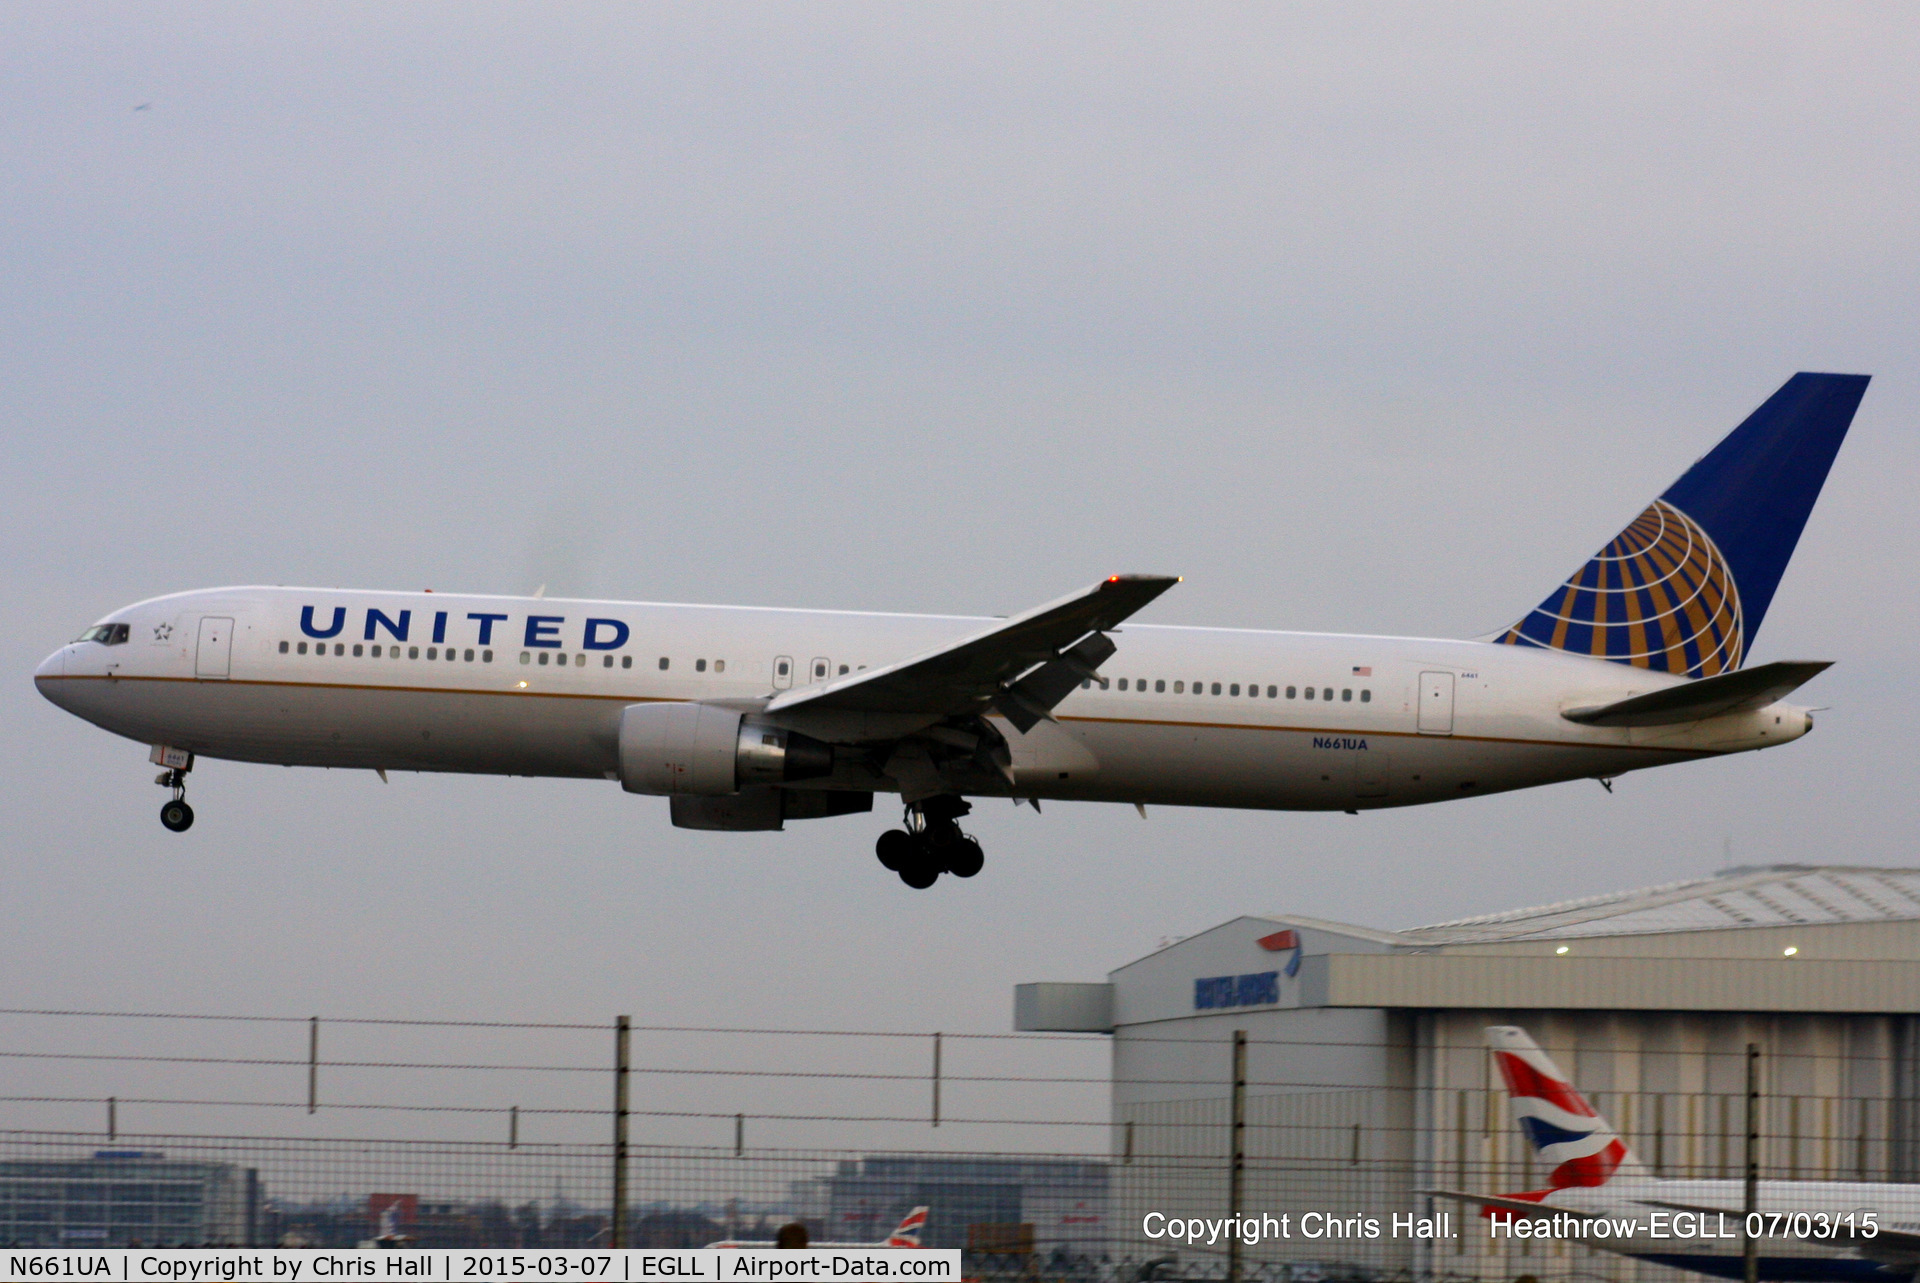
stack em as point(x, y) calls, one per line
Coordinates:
point(1116, 721)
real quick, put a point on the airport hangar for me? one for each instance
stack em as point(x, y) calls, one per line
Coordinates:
point(1367, 1077)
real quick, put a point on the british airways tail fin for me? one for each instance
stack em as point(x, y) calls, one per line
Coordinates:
point(1580, 1147)
point(1684, 587)
point(907, 1232)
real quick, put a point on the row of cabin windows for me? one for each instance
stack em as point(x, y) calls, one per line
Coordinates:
point(393, 652)
point(782, 667)
point(1233, 688)
point(486, 656)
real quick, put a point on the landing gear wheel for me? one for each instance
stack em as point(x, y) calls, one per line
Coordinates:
point(920, 875)
point(896, 849)
point(965, 858)
point(177, 815)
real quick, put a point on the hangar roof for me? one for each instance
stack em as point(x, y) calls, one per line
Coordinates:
point(1777, 895)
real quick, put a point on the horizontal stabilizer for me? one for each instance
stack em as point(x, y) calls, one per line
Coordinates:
point(1736, 692)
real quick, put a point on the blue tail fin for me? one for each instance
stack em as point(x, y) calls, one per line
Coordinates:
point(1683, 589)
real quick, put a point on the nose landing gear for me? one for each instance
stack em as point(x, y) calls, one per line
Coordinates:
point(176, 815)
point(931, 843)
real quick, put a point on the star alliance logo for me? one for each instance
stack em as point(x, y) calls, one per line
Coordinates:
point(161, 632)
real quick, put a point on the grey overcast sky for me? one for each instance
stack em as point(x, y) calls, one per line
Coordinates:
point(1362, 317)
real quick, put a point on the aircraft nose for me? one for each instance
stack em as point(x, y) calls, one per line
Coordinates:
point(47, 676)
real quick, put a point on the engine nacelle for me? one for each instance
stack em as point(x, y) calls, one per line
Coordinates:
point(701, 750)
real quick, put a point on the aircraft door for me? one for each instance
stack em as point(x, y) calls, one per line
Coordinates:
point(782, 672)
point(1436, 703)
point(215, 655)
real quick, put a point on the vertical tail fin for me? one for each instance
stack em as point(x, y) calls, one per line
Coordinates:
point(1684, 587)
point(907, 1232)
point(1581, 1146)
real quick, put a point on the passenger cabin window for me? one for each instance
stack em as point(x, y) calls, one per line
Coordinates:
point(606, 661)
point(1366, 697)
point(1159, 686)
point(1273, 692)
point(1346, 697)
point(1179, 688)
point(720, 666)
point(626, 661)
point(413, 652)
point(663, 663)
point(283, 648)
point(580, 660)
point(699, 665)
point(843, 670)
point(1289, 692)
point(1309, 692)
point(1326, 692)
point(1123, 683)
point(1216, 688)
point(486, 657)
point(1232, 690)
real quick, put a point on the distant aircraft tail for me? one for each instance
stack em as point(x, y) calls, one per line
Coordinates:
point(1684, 587)
point(1568, 1134)
point(907, 1232)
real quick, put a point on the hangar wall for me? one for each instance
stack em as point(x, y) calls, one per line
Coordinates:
point(1368, 1082)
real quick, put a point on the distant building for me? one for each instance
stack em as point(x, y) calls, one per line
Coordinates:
point(1368, 1080)
point(121, 1198)
point(1008, 1204)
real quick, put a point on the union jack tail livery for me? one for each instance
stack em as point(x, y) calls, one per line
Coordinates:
point(907, 1232)
point(1563, 1128)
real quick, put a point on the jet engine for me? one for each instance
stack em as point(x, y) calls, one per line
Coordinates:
point(701, 750)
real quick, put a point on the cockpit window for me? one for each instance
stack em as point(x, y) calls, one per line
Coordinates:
point(105, 634)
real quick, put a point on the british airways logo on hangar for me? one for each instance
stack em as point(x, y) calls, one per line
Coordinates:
point(1256, 989)
point(1287, 942)
point(541, 630)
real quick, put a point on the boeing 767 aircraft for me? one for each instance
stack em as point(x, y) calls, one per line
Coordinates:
point(748, 717)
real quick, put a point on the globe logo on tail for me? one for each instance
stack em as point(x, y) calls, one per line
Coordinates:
point(1660, 596)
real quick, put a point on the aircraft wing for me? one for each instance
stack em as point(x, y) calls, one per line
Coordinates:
point(1020, 667)
point(1736, 692)
point(1523, 1206)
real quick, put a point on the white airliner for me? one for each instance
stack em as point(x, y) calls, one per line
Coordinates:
point(1599, 1194)
point(905, 1234)
point(750, 717)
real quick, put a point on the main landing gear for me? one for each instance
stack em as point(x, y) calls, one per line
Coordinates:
point(931, 844)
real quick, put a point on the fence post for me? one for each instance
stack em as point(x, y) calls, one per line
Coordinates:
point(936, 1080)
point(513, 1127)
point(313, 1064)
point(1750, 1248)
point(1236, 1168)
point(622, 1062)
point(113, 1125)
